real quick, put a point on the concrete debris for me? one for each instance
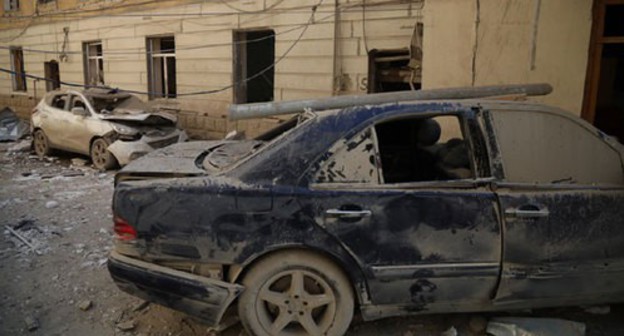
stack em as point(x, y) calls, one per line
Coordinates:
point(11, 127)
point(31, 323)
point(23, 239)
point(22, 146)
point(449, 332)
point(598, 310)
point(79, 162)
point(85, 305)
point(51, 204)
point(532, 326)
point(140, 306)
point(126, 326)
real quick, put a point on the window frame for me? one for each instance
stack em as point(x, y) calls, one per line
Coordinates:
point(164, 56)
point(11, 5)
point(496, 155)
point(99, 59)
point(464, 117)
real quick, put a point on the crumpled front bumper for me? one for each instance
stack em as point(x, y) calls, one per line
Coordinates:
point(126, 151)
point(195, 295)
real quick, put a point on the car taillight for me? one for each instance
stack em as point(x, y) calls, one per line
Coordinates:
point(123, 230)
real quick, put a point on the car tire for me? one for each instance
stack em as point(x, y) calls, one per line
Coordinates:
point(296, 292)
point(100, 156)
point(41, 144)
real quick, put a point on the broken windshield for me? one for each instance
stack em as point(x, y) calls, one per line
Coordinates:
point(227, 154)
point(118, 105)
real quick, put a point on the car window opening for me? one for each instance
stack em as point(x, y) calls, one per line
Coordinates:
point(423, 149)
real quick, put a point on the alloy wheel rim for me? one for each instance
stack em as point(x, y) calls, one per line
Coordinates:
point(99, 157)
point(296, 302)
point(40, 145)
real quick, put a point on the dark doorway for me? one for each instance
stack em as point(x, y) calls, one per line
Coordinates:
point(254, 74)
point(52, 75)
point(604, 90)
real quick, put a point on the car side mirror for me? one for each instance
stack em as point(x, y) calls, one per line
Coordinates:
point(79, 111)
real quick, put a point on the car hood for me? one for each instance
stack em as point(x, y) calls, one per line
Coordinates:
point(146, 118)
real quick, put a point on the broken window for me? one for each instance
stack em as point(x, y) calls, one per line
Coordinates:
point(399, 151)
point(77, 102)
point(351, 161)
point(538, 147)
point(423, 149)
point(161, 65)
point(17, 66)
point(397, 69)
point(52, 75)
point(11, 5)
point(254, 74)
point(93, 63)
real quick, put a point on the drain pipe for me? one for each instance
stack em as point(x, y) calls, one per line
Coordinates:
point(260, 110)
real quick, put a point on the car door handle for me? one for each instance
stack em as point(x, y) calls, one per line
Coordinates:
point(527, 211)
point(348, 213)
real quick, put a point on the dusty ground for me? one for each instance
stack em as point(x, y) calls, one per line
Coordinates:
point(63, 288)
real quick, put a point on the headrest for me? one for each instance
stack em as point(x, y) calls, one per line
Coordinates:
point(428, 132)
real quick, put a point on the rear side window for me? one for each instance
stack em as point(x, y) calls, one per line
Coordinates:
point(351, 161)
point(539, 147)
point(404, 150)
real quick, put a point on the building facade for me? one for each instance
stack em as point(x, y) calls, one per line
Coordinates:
point(198, 57)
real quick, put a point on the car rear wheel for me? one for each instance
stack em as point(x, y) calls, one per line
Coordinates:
point(296, 293)
point(101, 157)
point(41, 144)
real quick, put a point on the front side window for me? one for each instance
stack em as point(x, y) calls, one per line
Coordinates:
point(94, 63)
point(161, 67)
point(77, 102)
point(17, 66)
point(404, 150)
point(547, 148)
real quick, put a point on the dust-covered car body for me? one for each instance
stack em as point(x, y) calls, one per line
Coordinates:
point(71, 120)
point(520, 206)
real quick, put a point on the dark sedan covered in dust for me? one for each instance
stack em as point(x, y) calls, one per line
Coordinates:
point(383, 210)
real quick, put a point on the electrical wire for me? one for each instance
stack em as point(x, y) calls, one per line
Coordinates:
point(277, 3)
point(285, 10)
point(141, 50)
point(203, 92)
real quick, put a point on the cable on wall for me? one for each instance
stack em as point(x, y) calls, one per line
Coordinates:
point(203, 92)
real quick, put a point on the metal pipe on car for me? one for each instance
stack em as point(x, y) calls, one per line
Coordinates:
point(259, 110)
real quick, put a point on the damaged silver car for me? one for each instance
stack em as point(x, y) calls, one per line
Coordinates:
point(112, 127)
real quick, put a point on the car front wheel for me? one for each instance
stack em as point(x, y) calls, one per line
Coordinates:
point(101, 157)
point(296, 293)
point(40, 144)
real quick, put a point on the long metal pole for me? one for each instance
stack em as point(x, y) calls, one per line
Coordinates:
point(259, 110)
